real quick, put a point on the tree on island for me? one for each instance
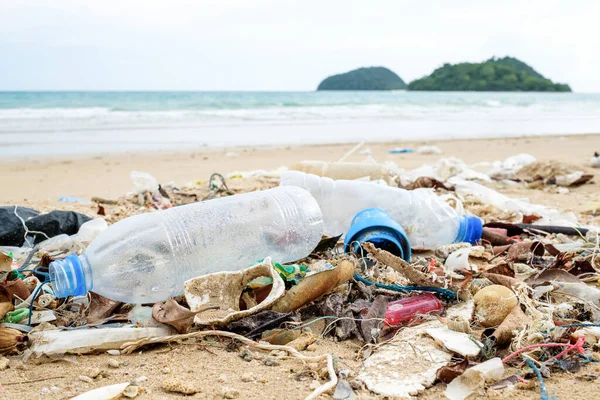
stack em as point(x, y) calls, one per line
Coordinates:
point(495, 74)
point(371, 78)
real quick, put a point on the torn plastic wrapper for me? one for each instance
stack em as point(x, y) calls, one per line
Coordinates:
point(314, 286)
point(55, 342)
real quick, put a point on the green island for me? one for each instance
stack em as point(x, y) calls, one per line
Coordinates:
point(371, 78)
point(495, 74)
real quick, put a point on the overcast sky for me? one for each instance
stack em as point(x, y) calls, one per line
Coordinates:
point(282, 44)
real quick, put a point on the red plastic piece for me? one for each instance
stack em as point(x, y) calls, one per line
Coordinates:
point(408, 309)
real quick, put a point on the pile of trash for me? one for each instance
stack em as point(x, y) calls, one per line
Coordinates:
point(441, 279)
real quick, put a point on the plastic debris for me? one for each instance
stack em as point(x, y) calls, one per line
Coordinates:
point(143, 182)
point(428, 150)
point(88, 341)
point(533, 276)
point(314, 286)
point(405, 310)
point(348, 170)
point(475, 378)
point(595, 161)
point(400, 150)
point(374, 225)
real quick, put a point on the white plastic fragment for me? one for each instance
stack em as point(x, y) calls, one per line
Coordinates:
point(428, 150)
point(89, 340)
point(457, 342)
point(469, 191)
point(595, 160)
point(104, 393)
point(37, 317)
point(458, 260)
point(475, 378)
point(569, 179)
point(143, 182)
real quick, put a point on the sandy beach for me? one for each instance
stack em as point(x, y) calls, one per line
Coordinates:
point(38, 183)
point(44, 180)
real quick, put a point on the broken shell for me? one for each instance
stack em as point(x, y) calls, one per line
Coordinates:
point(10, 339)
point(219, 294)
point(456, 342)
point(514, 322)
point(459, 324)
point(493, 303)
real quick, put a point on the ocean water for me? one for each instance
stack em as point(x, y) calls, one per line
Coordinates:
point(45, 123)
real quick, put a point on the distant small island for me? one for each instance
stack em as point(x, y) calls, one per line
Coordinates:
point(495, 74)
point(371, 78)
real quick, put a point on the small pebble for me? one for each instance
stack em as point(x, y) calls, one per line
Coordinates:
point(3, 363)
point(270, 362)
point(166, 370)
point(311, 347)
point(263, 380)
point(222, 378)
point(247, 355)
point(114, 352)
point(356, 384)
point(94, 373)
point(278, 353)
point(131, 391)
point(112, 363)
point(177, 385)
point(229, 393)
point(247, 377)
point(86, 379)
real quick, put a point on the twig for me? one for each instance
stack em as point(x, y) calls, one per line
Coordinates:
point(352, 151)
point(401, 266)
point(33, 380)
point(129, 347)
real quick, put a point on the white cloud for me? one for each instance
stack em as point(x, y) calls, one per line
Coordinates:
point(282, 45)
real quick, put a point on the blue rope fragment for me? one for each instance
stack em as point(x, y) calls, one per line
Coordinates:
point(544, 394)
point(446, 293)
point(577, 326)
point(46, 277)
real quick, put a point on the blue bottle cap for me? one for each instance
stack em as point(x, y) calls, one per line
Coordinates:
point(374, 225)
point(470, 230)
point(67, 277)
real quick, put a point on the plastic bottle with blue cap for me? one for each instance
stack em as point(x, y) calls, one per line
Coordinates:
point(428, 220)
point(374, 225)
point(146, 258)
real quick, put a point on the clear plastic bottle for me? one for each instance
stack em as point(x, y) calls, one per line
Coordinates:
point(147, 258)
point(346, 170)
point(428, 220)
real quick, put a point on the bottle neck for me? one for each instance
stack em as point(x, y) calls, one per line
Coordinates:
point(71, 276)
point(470, 230)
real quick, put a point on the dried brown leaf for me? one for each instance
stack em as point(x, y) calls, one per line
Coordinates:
point(174, 314)
point(448, 373)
